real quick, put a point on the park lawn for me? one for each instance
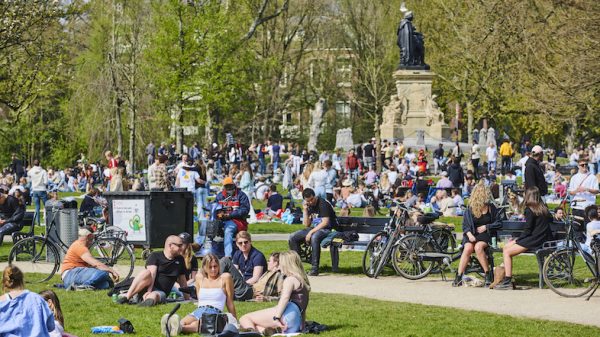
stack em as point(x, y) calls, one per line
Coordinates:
point(348, 316)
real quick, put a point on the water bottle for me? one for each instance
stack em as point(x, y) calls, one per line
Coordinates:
point(494, 245)
point(173, 295)
point(115, 298)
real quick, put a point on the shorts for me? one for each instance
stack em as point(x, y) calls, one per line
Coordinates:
point(292, 317)
point(162, 296)
point(204, 309)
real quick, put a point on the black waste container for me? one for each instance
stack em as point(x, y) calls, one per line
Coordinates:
point(149, 217)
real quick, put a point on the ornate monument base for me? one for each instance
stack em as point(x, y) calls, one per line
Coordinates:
point(413, 108)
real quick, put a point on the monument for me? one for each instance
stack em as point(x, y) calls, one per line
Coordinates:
point(343, 139)
point(412, 107)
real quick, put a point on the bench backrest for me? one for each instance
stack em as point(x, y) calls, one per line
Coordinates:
point(362, 225)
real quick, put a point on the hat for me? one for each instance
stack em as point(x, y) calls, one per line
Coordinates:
point(537, 149)
point(228, 181)
point(186, 237)
point(347, 182)
point(444, 174)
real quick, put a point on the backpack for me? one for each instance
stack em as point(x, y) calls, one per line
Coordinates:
point(120, 287)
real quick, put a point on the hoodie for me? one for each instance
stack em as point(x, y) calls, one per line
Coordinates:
point(39, 179)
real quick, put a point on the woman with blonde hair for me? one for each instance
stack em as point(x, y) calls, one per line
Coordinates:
point(384, 183)
point(478, 220)
point(308, 168)
point(214, 290)
point(290, 313)
point(18, 303)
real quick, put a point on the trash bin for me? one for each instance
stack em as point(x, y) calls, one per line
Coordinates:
point(65, 215)
point(148, 217)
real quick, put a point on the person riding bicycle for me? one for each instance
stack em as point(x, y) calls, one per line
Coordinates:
point(80, 268)
point(11, 213)
point(236, 206)
point(478, 220)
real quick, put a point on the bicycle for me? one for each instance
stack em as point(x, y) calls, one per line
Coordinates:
point(41, 255)
point(570, 271)
point(382, 246)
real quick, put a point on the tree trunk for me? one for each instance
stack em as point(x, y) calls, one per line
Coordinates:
point(115, 85)
point(208, 129)
point(132, 130)
point(470, 123)
point(376, 129)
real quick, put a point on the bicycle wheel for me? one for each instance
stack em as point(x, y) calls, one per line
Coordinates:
point(373, 253)
point(115, 253)
point(407, 260)
point(37, 257)
point(384, 259)
point(567, 274)
point(445, 240)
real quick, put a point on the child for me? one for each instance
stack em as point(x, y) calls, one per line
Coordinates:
point(54, 304)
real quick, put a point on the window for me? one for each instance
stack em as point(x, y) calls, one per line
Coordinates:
point(343, 68)
point(342, 109)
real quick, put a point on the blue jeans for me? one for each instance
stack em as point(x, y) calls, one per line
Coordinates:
point(263, 165)
point(275, 164)
point(9, 228)
point(492, 165)
point(96, 278)
point(200, 195)
point(230, 230)
point(298, 238)
point(292, 318)
point(36, 196)
point(202, 310)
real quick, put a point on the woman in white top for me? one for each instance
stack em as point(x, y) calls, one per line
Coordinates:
point(215, 290)
point(317, 180)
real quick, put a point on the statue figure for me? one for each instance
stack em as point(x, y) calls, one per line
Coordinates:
point(475, 136)
point(491, 136)
point(404, 110)
point(411, 43)
point(482, 137)
point(395, 112)
point(433, 114)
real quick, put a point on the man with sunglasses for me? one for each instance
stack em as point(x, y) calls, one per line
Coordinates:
point(583, 187)
point(315, 231)
point(237, 206)
point(163, 269)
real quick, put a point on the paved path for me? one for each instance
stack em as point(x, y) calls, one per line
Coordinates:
point(533, 303)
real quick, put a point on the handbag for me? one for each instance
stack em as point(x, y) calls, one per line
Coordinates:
point(212, 324)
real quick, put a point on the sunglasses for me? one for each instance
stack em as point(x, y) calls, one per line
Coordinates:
point(243, 242)
point(177, 244)
point(582, 165)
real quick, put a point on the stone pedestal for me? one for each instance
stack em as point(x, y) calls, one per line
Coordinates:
point(343, 139)
point(414, 108)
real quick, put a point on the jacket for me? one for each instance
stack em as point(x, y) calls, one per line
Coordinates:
point(534, 176)
point(468, 224)
point(506, 150)
point(12, 211)
point(456, 175)
point(240, 205)
point(39, 178)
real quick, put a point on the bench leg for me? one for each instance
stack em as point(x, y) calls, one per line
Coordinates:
point(540, 260)
point(335, 257)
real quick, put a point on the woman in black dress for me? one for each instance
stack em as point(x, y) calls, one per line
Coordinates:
point(535, 233)
point(478, 219)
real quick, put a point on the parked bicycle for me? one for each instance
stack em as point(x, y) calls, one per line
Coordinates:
point(570, 271)
point(41, 255)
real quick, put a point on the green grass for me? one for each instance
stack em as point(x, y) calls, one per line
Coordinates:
point(348, 316)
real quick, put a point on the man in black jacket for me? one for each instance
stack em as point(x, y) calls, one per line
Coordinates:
point(11, 213)
point(534, 175)
point(455, 173)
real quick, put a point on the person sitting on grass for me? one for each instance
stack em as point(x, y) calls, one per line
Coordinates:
point(270, 284)
point(22, 313)
point(290, 313)
point(81, 269)
point(536, 232)
point(163, 269)
point(191, 264)
point(275, 201)
point(214, 290)
point(479, 218)
point(54, 305)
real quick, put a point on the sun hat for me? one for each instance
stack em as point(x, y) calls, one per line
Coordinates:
point(347, 182)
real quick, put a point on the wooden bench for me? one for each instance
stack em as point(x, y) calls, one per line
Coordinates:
point(515, 228)
point(28, 220)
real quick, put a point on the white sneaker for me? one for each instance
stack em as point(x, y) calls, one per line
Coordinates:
point(174, 325)
point(163, 324)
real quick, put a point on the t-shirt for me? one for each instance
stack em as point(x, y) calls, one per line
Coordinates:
point(369, 150)
point(592, 226)
point(275, 202)
point(73, 257)
point(246, 267)
point(187, 179)
point(275, 149)
point(167, 270)
point(491, 154)
point(586, 181)
point(324, 210)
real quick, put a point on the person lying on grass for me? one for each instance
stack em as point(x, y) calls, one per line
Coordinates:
point(214, 290)
point(163, 269)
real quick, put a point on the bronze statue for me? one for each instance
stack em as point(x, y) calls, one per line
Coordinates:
point(411, 43)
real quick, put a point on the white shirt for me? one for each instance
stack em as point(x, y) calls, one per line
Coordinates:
point(491, 153)
point(592, 226)
point(317, 179)
point(187, 179)
point(574, 158)
point(521, 162)
point(586, 180)
point(355, 200)
point(392, 176)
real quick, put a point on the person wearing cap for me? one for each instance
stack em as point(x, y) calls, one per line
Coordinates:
point(11, 213)
point(534, 175)
point(444, 182)
point(234, 220)
point(80, 268)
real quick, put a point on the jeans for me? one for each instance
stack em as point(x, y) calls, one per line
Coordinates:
point(202, 310)
point(491, 165)
point(230, 230)
point(263, 165)
point(37, 196)
point(275, 164)
point(96, 278)
point(200, 195)
point(9, 228)
point(292, 317)
point(475, 163)
point(506, 164)
point(298, 237)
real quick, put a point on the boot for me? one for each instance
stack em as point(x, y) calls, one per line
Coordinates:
point(458, 280)
point(505, 284)
point(489, 278)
